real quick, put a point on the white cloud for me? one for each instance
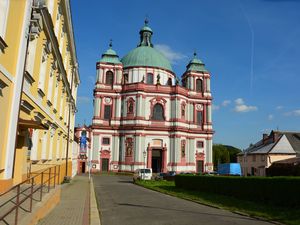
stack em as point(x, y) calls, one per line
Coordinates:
point(83, 100)
point(215, 107)
point(293, 113)
point(226, 103)
point(240, 106)
point(239, 101)
point(270, 117)
point(169, 53)
point(279, 107)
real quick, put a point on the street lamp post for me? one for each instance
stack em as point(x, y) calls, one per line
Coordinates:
point(144, 154)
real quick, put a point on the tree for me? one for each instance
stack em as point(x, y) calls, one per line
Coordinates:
point(224, 154)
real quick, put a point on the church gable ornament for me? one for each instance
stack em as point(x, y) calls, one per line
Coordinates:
point(199, 107)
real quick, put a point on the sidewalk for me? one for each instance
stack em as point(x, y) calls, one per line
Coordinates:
point(74, 206)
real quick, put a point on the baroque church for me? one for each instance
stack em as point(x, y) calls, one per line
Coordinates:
point(144, 117)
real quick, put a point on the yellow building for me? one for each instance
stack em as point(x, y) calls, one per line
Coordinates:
point(38, 87)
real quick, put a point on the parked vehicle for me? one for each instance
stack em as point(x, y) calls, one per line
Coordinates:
point(171, 173)
point(160, 176)
point(230, 169)
point(142, 174)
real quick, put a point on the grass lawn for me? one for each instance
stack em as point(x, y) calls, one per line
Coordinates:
point(281, 214)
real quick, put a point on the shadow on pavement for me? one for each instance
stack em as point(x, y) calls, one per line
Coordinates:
point(126, 181)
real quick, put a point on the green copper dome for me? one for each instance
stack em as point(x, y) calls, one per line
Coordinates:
point(110, 56)
point(196, 65)
point(145, 54)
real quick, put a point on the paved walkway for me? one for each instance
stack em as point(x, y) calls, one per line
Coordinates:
point(122, 202)
point(73, 208)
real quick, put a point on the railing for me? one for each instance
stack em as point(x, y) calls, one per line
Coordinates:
point(18, 200)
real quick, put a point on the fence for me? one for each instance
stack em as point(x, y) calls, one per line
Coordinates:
point(18, 200)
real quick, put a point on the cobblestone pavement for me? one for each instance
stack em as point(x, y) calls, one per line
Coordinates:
point(123, 203)
point(73, 208)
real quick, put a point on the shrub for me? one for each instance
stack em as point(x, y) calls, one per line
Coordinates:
point(281, 191)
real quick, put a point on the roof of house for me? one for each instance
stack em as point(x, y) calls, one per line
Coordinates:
point(294, 161)
point(276, 142)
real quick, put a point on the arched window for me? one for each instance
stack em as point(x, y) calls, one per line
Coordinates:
point(149, 78)
point(199, 84)
point(109, 79)
point(199, 118)
point(158, 112)
point(170, 81)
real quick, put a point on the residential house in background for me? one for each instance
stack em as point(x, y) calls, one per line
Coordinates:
point(276, 146)
point(38, 87)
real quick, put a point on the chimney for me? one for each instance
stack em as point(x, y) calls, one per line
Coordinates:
point(275, 136)
point(265, 138)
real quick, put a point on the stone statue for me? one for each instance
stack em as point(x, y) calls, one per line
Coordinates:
point(158, 80)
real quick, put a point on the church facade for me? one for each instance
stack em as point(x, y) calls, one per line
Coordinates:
point(143, 117)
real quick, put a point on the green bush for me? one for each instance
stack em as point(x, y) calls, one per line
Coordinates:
point(281, 191)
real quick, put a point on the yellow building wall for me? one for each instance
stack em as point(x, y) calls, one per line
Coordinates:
point(39, 104)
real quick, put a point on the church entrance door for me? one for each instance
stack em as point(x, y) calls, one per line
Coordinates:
point(156, 160)
point(104, 165)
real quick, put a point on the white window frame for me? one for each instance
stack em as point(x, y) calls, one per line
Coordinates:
point(4, 11)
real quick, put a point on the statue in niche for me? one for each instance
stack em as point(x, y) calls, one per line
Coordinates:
point(158, 79)
point(143, 79)
point(130, 107)
point(129, 147)
point(183, 150)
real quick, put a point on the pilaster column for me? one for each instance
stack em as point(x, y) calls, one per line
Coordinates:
point(149, 156)
point(164, 159)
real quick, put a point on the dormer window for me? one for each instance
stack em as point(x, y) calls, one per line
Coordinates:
point(199, 85)
point(109, 79)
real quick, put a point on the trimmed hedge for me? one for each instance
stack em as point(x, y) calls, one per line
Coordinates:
point(280, 191)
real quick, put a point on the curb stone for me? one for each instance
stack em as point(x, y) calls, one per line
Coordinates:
point(94, 212)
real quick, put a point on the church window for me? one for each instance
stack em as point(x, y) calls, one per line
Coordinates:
point(109, 78)
point(107, 112)
point(199, 86)
point(106, 141)
point(158, 112)
point(125, 78)
point(199, 144)
point(149, 78)
point(199, 118)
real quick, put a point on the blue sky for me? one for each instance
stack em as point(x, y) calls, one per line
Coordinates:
point(251, 48)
